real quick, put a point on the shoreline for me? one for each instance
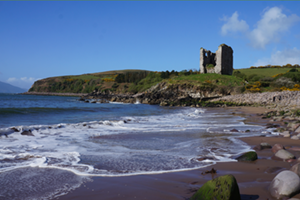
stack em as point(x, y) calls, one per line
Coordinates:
point(253, 178)
point(54, 94)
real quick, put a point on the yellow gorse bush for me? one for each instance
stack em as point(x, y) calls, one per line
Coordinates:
point(280, 74)
point(254, 88)
point(108, 79)
point(296, 88)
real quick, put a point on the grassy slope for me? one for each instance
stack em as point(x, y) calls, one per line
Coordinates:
point(217, 79)
point(264, 71)
point(93, 80)
point(97, 80)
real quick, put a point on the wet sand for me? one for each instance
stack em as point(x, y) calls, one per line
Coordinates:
point(253, 177)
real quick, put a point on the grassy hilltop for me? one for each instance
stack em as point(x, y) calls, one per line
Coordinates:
point(259, 79)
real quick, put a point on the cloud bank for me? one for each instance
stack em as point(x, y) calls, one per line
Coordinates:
point(287, 56)
point(270, 28)
point(233, 25)
point(23, 82)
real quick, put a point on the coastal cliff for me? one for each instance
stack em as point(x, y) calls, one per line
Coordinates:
point(165, 94)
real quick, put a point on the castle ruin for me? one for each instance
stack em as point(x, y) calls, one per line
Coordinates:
point(220, 62)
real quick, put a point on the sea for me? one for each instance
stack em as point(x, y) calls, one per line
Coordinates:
point(50, 145)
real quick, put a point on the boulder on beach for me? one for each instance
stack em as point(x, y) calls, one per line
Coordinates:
point(285, 184)
point(249, 156)
point(262, 146)
point(284, 154)
point(277, 147)
point(285, 134)
point(221, 188)
point(295, 137)
point(296, 168)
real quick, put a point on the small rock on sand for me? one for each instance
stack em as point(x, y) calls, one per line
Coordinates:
point(284, 154)
point(277, 147)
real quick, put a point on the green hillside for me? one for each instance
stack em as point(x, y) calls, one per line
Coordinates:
point(134, 81)
point(264, 71)
point(87, 83)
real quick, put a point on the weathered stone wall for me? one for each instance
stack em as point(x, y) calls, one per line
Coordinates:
point(222, 60)
point(206, 58)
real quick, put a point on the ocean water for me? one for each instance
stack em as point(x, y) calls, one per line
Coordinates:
point(71, 141)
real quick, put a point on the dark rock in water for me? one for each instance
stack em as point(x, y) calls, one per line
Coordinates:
point(249, 156)
point(14, 129)
point(221, 188)
point(272, 126)
point(205, 158)
point(81, 99)
point(234, 130)
point(28, 133)
point(212, 171)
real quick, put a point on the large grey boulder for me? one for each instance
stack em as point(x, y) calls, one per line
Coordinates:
point(285, 184)
point(284, 154)
point(221, 188)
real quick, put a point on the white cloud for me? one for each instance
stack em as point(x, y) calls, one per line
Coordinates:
point(271, 26)
point(268, 29)
point(287, 56)
point(233, 24)
point(11, 79)
point(23, 82)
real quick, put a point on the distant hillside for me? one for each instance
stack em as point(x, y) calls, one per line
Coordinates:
point(86, 83)
point(130, 82)
point(8, 88)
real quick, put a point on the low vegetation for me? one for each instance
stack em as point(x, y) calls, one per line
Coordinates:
point(289, 80)
point(254, 79)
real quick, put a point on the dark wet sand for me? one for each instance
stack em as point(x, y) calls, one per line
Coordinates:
point(253, 177)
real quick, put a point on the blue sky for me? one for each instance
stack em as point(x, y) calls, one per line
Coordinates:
point(45, 39)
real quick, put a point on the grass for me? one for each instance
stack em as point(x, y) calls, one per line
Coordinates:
point(112, 72)
point(151, 80)
point(264, 71)
point(85, 77)
point(217, 79)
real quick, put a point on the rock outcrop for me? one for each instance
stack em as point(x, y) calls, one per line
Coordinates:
point(221, 188)
point(281, 100)
point(163, 94)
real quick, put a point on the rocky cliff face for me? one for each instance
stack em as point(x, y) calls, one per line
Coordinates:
point(164, 94)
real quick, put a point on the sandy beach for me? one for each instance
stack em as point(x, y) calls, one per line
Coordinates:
point(253, 177)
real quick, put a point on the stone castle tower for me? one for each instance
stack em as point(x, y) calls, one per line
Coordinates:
point(220, 62)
